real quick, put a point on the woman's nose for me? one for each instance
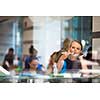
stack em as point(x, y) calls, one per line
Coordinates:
point(75, 50)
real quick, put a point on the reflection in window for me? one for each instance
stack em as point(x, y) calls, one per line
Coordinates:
point(18, 38)
point(79, 27)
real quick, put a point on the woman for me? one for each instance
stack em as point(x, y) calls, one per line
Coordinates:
point(72, 57)
point(54, 58)
point(35, 66)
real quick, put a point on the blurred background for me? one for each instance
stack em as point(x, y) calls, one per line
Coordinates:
point(46, 33)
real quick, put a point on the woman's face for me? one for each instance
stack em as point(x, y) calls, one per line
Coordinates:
point(34, 64)
point(75, 48)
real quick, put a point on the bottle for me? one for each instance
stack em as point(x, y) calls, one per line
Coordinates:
point(55, 70)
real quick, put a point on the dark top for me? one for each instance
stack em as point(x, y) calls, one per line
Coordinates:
point(73, 65)
point(27, 60)
point(8, 58)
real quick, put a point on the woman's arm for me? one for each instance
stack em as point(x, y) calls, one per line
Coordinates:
point(49, 70)
point(61, 59)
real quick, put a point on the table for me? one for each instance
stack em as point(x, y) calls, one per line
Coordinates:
point(69, 77)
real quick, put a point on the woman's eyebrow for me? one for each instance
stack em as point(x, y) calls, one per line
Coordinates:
point(78, 48)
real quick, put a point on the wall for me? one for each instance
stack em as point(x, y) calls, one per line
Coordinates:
point(96, 23)
point(27, 35)
point(96, 40)
point(6, 38)
point(10, 36)
point(47, 37)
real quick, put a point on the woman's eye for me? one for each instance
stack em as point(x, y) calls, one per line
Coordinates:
point(78, 49)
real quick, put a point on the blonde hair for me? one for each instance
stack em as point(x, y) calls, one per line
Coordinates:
point(66, 44)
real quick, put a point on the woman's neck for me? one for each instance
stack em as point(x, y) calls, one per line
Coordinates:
point(32, 69)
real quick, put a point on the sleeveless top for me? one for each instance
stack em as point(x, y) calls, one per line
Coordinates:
point(64, 68)
point(73, 65)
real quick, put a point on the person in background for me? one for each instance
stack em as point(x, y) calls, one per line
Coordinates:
point(35, 66)
point(32, 53)
point(8, 59)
